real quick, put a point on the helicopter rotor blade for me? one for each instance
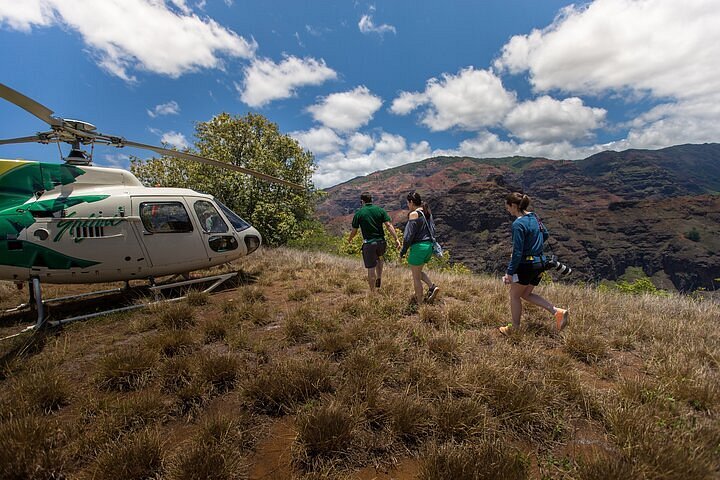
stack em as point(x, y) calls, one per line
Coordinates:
point(215, 163)
point(32, 138)
point(30, 105)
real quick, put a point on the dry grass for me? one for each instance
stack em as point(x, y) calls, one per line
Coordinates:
point(213, 453)
point(136, 456)
point(125, 369)
point(368, 380)
point(31, 448)
point(490, 459)
point(279, 388)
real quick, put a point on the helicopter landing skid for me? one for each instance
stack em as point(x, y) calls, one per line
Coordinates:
point(38, 303)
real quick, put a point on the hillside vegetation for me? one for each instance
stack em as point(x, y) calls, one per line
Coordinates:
point(301, 373)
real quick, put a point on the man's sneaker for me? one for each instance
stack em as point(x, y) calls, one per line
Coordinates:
point(432, 293)
point(377, 282)
point(561, 318)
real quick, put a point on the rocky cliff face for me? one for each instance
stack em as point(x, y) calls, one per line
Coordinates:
point(605, 213)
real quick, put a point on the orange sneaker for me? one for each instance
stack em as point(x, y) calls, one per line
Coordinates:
point(561, 318)
point(505, 330)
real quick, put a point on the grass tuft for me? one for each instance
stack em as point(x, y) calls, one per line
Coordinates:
point(136, 456)
point(30, 448)
point(492, 459)
point(324, 431)
point(585, 346)
point(215, 330)
point(125, 370)
point(219, 372)
point(172, 342)
point(214, 453)
point(176, 315)
point(196, 298)
point(46, 390)
point(279, 388)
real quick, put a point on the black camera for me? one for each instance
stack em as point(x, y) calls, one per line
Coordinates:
point(561, 268)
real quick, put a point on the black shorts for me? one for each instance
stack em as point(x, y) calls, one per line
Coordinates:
point(529, 273)
point(371, 252)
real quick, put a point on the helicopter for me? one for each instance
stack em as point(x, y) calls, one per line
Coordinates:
point(74, 223)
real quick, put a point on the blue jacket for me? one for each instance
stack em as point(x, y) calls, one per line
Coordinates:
point(528, 236)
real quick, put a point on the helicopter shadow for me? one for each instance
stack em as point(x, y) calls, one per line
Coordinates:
point(123, 298)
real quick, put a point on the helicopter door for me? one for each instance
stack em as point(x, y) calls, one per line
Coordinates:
point(171, 241)
point(219, 239)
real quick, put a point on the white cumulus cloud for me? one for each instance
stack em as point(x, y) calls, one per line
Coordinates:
point(169, 108)
point(360, 142)
point(346, 111)
point(266, 80)
point(548, 120)
point(127, 35)
point(174, 139)
point(319, 141)
point(26, 14)
point(469, 100)
point(390, 151)
point(407, 102)
point(667, 48)
point(658, 49)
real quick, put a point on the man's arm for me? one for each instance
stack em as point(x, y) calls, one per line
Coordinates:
point(353, 232)
point(392, 231)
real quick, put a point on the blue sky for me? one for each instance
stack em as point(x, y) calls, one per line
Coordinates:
point(370, 85)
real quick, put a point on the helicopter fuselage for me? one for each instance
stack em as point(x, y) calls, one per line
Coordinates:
point(62, 223)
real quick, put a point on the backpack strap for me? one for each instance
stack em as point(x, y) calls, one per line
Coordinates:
point(419, 211)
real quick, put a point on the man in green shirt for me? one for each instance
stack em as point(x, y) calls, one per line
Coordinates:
point(370, 219)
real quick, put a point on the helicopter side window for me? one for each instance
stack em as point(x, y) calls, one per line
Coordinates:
point(165, 217)
point(210, 219)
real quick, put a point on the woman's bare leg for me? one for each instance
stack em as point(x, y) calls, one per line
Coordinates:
point(516, 294)
point(536, 299)
point(417, 282)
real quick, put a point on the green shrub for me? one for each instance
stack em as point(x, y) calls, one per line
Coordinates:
point(693, 235)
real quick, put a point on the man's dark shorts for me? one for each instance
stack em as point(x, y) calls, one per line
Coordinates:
point(529, 274)
point(371, 252)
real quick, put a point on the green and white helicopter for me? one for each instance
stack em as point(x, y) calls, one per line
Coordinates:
point(76, 223)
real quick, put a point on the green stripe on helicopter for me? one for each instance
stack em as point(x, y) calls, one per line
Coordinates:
point(16, 253)
point(20, 180)
point(15, 219)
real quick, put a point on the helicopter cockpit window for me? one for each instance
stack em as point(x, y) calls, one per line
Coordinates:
point(210, 219)
point(238, 223)
point(165, 217)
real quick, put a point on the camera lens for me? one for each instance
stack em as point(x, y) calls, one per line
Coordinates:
point(561, 268)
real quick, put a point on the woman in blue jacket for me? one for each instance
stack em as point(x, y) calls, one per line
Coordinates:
point(526, 264)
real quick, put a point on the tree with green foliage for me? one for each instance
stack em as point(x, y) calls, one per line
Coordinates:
point(253, 142)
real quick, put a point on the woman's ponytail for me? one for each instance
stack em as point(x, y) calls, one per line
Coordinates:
point(415, 198)
point(516, 198)
point(524, 203)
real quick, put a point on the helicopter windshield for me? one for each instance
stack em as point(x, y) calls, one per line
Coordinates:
point(238, 223)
